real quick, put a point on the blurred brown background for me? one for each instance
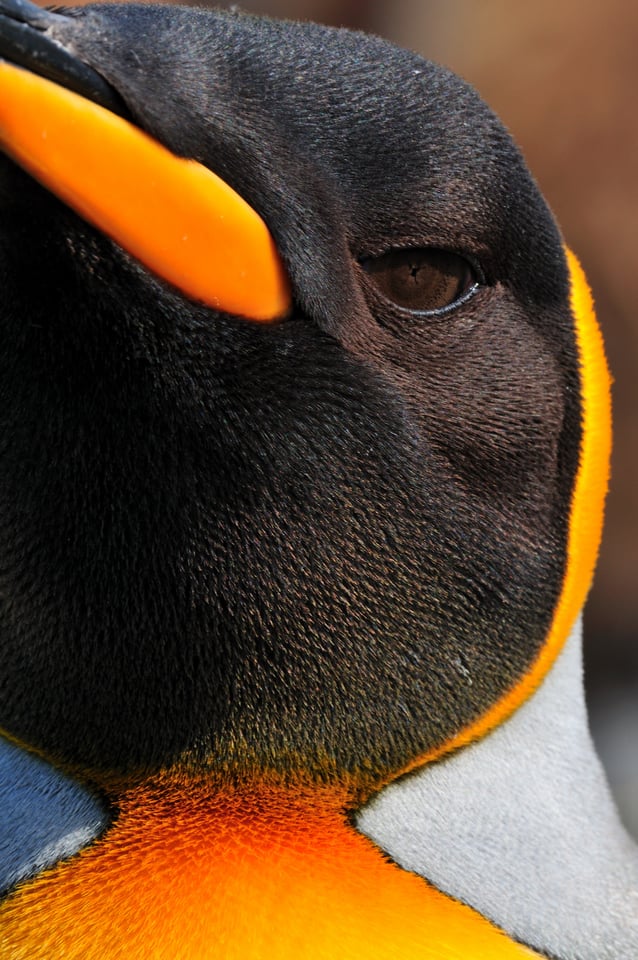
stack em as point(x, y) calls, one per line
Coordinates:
point(563, 76)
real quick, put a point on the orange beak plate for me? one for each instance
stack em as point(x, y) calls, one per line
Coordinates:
point(174, 215)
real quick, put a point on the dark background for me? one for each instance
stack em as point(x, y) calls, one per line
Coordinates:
point(563, 76)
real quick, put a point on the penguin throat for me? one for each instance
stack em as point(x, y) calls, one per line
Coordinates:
point(185, 874)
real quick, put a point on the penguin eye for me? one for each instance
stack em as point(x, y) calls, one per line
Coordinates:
point(422, 279)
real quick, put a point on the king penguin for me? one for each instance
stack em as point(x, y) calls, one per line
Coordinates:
point(305, 426)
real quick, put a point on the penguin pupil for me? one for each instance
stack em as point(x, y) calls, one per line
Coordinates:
point(424, 280)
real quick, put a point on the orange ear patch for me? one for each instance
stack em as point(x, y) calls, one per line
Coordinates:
point(586, 515)
point(174, 215)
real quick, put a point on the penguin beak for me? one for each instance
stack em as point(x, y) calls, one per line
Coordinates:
point(174, 215)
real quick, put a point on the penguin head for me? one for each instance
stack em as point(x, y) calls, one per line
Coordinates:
point(325, 545)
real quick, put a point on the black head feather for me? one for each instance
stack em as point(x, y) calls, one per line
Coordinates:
point(321, 545)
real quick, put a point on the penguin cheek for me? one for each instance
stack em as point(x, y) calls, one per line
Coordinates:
point(485, 392)
point(502, 429)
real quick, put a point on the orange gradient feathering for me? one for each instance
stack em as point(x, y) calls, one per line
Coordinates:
point(186, 875)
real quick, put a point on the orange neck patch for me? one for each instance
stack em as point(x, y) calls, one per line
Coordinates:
point(186, 875)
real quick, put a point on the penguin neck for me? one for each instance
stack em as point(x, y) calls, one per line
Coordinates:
point(186, 873)
point(258, 815)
